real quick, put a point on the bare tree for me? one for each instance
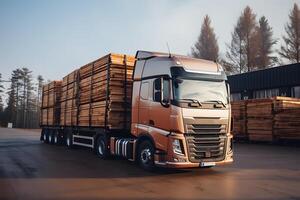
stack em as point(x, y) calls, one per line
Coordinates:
point(206, 46)
point(265, 43)
point(242, 51)
point(291, 48)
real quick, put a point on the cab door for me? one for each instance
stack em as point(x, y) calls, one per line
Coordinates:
point(159, 110)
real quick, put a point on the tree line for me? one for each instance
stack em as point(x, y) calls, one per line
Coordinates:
point(252, 43)
point(24, 99)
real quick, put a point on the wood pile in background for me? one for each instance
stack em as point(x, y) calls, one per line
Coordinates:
point(260, 119)
point(50, 112)
point(287, 118)
point(268, 120)
point(239, 119)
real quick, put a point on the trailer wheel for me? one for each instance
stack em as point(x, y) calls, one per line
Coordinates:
point(69, 140)
point(43, 135)
point(146, 155)
point(101, 147)
point(56, 137)
point(46, 136)
point(50, 136)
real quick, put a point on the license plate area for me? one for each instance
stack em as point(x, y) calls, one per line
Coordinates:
point(207, 164)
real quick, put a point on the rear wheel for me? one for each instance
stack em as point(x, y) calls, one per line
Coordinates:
point(50, 136)
point(101, 147)
point(69, 140)
point(146, 155)
point(56, 137)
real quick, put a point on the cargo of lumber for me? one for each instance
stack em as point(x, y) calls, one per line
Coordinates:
point(99, 93)
point(272, 119)
point(51, 103)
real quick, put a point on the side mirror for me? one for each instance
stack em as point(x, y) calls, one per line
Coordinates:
point(162, 91)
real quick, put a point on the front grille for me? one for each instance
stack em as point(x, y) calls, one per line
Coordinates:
point(206, 142)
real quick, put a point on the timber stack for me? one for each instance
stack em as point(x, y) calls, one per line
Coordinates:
point(272, 119)
point(99, 93)
point(51, 103)
point(239, 119)
point(260, 119)
point(287, 118)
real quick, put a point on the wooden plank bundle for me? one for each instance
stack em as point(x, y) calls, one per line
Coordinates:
point(287, 119)
point(260, 119)
point(238, 109)
point(99, 93)
point(68, 116)
point(51, 103)
point(269, 120)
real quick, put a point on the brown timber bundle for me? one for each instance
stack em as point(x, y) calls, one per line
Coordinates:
point(97, 90)
point(50, 103)
point(270, 119)
point(238, 109)
point(287, 119)
point(68, 116)
point(260, 119)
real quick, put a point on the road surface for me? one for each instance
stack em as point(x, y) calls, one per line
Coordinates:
point(30, 169)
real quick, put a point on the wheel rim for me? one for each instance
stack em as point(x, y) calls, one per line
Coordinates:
point(68, 141)
point(50, 138)
point(100, 148)
point(45, 137)
point(146, 156)
point(55, 139)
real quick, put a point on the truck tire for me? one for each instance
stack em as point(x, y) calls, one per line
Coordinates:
point(146, 155)
point(56, 138)
point(46, 136)
point(69, 141)
point(50, 137)
point(43, 135)
point(101, 147)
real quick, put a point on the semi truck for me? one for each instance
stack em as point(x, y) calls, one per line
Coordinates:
point(158, 109)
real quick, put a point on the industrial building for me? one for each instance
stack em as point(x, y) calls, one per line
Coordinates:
point(276, 81)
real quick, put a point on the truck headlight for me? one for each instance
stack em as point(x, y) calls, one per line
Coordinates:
point(177, 147)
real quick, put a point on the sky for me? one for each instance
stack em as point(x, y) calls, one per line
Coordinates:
point(54, 37)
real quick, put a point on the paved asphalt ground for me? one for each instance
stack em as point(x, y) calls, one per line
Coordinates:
point(30, 169)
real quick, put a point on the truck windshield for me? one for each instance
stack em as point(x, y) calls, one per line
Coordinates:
point(202, 91)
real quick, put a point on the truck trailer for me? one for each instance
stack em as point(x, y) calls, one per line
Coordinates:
point(157, 109)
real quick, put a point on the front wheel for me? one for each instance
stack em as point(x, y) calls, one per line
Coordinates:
point(146, 155)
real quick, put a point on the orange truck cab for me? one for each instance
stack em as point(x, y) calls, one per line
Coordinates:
point(181, 113)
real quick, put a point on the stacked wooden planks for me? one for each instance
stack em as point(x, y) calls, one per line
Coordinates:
point(99, 93)
point(287, 118)
point(68, 116)
point(260, 119)
point(269, 120)
point(239, 119)
point(50, 103)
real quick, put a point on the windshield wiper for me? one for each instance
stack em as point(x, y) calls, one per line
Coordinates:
point(192, 100)
point(215, 101)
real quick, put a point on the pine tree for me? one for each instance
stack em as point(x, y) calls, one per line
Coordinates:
point(291, 48)
point(242, 50)
point(206, 46)
point(11, 111)
point(265, 43)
